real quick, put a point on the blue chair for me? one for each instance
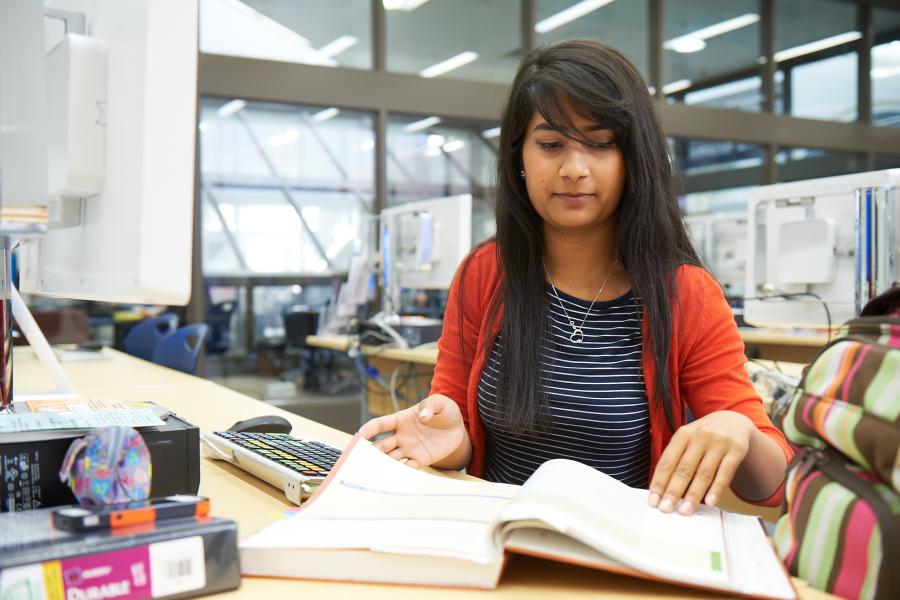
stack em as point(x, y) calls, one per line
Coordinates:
point(180, 349)
point(143, 338)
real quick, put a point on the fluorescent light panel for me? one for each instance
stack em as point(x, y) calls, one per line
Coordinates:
point(285, 137)
point(453, 146)
point(445, 66)
point(696, 40)
point(324, 115)
point(576, 11)
point(337, 46)
point(404, 5)
point(230, 108)
point(421, 124)
point(676, 86)
point(829, 42)
point(491, 133)
point(885, 72)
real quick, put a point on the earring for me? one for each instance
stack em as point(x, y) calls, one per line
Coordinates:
point(522, 173)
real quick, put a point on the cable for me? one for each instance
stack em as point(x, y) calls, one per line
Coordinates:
point(791, 295)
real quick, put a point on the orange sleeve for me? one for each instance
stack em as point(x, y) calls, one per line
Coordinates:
point(712, 375)
point(459, 337)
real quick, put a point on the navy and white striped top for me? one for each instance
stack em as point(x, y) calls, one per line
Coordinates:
point(598, 404)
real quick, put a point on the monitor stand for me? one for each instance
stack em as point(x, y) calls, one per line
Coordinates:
point(12, 306)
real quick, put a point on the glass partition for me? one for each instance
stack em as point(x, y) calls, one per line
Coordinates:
point(285, 188)
point(816, 52)
point(458, 39)
point(623, 25)
point(710, 51)
point(301, 31)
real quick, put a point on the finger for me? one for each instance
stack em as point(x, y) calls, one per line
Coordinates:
point(387, 444)
point(413, 463)
point(670, 457)
point(727, 468)
point(681, 477)
point(378, 425)
point(396, 454)
point(702, 480)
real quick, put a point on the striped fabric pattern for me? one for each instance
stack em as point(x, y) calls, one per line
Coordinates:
point(843, 492)
point(598, 405)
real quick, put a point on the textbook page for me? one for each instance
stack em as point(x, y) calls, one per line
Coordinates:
point(614, 519)
point(374, 502)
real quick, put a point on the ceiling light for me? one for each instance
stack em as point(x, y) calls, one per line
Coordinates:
point(432, 152)
point(686, 45)
point(422, 124)
point(324, 115)
point(885, 72)
point(285, 137)
point(229, 108)
point(751, 84)
point(576, 11)
point(337, 46)
point(404, 5)
point(203, 126)
point(829, 42)
point(367, 145)
point(676, 86)
point(491, 133)
point(435, 141)
point(696, 40)
point(445, 66)
point(453, 146)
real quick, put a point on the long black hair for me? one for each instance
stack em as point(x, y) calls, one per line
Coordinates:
point(600, 83)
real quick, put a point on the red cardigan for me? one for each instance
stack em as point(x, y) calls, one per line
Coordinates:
point(706, 364)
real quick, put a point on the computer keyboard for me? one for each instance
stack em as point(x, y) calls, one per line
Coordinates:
point(295, 465)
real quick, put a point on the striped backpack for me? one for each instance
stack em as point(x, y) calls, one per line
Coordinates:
point(840, 528)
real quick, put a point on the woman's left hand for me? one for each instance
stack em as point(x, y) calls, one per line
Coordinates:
point(700, 461)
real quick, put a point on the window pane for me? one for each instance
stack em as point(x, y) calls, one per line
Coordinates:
point(710, 165)
point(459, 39)
point(816, 51)
point(887, 161)
point(444, 159)
point(619, 24)
point(716, 179)
point(886, 68)
point(797, 164)
point(710, 53)
point(286, 189)
point(300, 31)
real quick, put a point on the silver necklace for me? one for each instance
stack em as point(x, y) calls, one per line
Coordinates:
point(577, 336)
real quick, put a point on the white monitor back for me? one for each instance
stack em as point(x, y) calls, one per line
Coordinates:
point(133, 241)
point(428, 240)
point(721, 241)
point(834, 237)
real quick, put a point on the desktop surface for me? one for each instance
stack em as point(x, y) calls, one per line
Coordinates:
point(254, 504)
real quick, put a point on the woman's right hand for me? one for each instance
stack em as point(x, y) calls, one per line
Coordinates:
point(431, 432)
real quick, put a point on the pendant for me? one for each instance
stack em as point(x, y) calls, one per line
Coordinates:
point(577, 336)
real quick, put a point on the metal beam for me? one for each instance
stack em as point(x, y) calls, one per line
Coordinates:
point(759, 128)
point(273, 81)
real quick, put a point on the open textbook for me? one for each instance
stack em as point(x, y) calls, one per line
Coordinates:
point(375, 519)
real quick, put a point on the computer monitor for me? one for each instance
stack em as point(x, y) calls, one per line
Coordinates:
point(113, 128)
point(98, 125)
point(831, 241)
point(721, 240)
point(422, 244)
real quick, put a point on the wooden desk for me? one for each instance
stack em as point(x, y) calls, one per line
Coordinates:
point(779, 345)
point(253, 503)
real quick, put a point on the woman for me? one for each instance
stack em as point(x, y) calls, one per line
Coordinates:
point(588, 326)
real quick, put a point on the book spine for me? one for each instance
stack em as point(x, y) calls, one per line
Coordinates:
point(186, 566)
